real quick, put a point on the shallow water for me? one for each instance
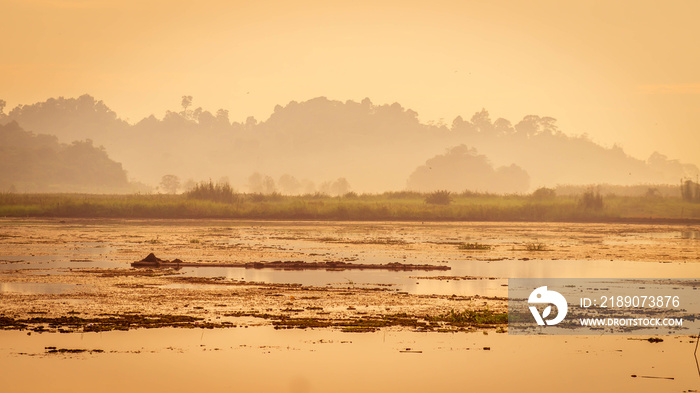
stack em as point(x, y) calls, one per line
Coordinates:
point(36, 288)
point(501, 270)
point(36, 256)
point(269, 360)
point(52, 257)
point(55, 249)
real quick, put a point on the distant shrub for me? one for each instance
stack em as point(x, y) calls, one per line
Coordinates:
point(637, 190)
point(470, 193)
point(220, 192)
point(544, 193)
point(652, 193)
point(591, 200)
point(260, 197)
point(402, 195)
point(316, 195)
point(256, 197)
point(441, 197)
point(486, 317)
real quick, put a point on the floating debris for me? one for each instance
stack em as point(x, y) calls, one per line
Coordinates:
point(651, 377)
point(152, 261)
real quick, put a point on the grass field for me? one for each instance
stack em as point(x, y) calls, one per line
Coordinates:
point(407, 206)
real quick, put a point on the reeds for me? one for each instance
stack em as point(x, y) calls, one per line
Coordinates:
point(216, 202)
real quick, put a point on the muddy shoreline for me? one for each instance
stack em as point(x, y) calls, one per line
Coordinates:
point(75, 275)
point(151, 261)
point(141, 298)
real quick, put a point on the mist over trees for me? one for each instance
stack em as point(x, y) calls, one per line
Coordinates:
point(551, 157)
point(372, 147)
point(39, 163)
point(170, 184)
point(69, 119)
point(462, 168)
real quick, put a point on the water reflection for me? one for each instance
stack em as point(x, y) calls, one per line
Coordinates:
point(690, 235)
point(502, 270)
point(36, 288)
point(82, 255)
point(262, 359)
point(53, 266)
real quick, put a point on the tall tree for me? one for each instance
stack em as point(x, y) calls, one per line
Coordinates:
point(170, 184)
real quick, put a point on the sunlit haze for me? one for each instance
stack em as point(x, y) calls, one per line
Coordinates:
point(349, 196)
point(621, 72)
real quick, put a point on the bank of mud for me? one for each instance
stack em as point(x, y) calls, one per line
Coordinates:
point(75, 275)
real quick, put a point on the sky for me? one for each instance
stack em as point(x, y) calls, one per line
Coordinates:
point(622, 72)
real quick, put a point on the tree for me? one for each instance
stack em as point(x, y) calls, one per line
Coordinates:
point(340, 187)
point(3, 103)
point(189, 185)
point(255, 183)
point(170, 184)
point(259, 184)
point(690, 191)
point(544, 193)
point(186, 103)
point(289, 184)
point(222, 117)
point(532, 125)
point(308, 187)
point(250, 122)
point(269, 185)
point(482, 121)
point(503, 127)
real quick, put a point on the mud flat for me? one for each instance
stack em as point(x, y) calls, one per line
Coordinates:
point(66, 281)
point(123, 299)
point(81, 269)
point(154, 262)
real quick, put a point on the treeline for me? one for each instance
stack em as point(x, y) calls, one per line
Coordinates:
point(258, 184)
point(374, 147)
point(39, 163)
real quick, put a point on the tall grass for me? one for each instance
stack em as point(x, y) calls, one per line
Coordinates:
point(591, 200)
point(219, 203)
point(441, 197)
point(208, 191)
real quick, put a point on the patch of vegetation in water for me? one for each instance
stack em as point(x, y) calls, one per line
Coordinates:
point(536, 247)
point(108, 322)
point(72, 350)
point(472, 318)
point(473, 246)
point(453, 321)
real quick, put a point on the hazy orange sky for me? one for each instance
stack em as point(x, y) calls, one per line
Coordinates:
point(625, 72)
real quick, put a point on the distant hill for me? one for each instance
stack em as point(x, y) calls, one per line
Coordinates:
point(39, 163)
point(375, 147)
point(462, 168)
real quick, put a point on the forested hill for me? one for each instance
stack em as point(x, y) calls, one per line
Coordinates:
point(39, 163)
point(375, 147)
